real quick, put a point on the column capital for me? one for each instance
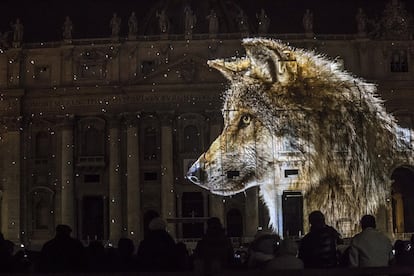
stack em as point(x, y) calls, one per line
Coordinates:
point(131, 119)
point(66, 122)
point(12, 123)
point(114, 120)
point(166, 117)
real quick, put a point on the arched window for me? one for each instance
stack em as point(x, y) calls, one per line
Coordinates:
point(150, 143)
point(403, 199)
point(94, 142)
point(41, 209)
point(42, 145)
point(42, 215)
point(234, 223)
point(191, 139)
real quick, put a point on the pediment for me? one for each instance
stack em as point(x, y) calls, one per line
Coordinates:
point(189, 69)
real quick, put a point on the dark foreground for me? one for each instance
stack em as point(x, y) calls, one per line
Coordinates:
point(380, 271)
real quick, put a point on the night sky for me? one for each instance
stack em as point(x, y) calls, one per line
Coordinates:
point(43, 19)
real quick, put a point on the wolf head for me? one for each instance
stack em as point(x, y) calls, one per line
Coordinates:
point(293, 107)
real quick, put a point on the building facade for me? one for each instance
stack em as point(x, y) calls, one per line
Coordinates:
point(99, 133)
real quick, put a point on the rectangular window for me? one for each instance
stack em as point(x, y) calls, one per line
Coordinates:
point(291, 173)
point(150, 176)
point(91, 71)
point(92, 178)
point(399, 61)
point(292, 206)
point(147, 67)
point(42, 73)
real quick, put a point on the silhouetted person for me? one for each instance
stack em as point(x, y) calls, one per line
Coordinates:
point(6, 255)
point(156, 252)
point(97, 259)
point(62, 253)
point(262, 248)
point(285, 257)
point(403, 256)
point(317, 249)
point(125, 255)
point(370, 248)
point(214, 251)
point(412, 244)
point(183, 258)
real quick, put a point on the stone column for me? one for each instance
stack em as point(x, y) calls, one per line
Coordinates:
point(216, 208)
point(115, 209)
point(278, 205)
point(67, 60)
point(133, 180)
point(168, 197)
point(11, 180)
point(113, 64)
point(66, 174)
point(399, 212)
point(251, 220)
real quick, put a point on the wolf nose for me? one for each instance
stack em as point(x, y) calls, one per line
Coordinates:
point(196, 174)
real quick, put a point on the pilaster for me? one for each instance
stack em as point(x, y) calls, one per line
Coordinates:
point(67, 191)
point(133, 180)
point(168, 197)
point(216, 208)
point(114, 170)
point(11, 180)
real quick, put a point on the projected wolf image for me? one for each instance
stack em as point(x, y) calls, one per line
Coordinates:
point(289, 108)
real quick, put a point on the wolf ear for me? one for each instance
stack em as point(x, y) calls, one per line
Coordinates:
point(230, 69)
point(270, 62)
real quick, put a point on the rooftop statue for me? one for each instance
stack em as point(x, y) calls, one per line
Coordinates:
point(115, 25)
point(67, 29)
point(17, 32)
point(308, 21)
point(213, 23)
point(190, 20)
point(361, 21)
point(163, 21)
point(263, 22)
point(132, 25)
point(243, 22)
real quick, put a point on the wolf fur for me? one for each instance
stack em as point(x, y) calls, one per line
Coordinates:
point(340, 136)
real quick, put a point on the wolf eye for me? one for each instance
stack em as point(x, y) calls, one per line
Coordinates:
point(245, 120)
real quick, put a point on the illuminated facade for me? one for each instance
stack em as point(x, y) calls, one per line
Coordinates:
point(99, 133)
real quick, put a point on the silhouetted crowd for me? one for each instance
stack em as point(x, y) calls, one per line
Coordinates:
point(322, 247)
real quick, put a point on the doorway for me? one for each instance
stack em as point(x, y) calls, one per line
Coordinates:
point(93, 218)
point(403, 199)
point(292, 207)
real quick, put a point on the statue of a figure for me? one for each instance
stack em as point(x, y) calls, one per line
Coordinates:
point(190, 20)
point(163, 21)
point(213, 23)
point(132, 25)
point(115, 25)
point(243, 22)
point(4, 40)
point(361, 20)
point(17, 31)
point(67, 28)
point(308, 21)
point(264, 22)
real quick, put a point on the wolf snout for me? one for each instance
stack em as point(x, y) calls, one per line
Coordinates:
point(196, 173)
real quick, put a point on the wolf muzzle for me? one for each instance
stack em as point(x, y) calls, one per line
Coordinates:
point(196, 173)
